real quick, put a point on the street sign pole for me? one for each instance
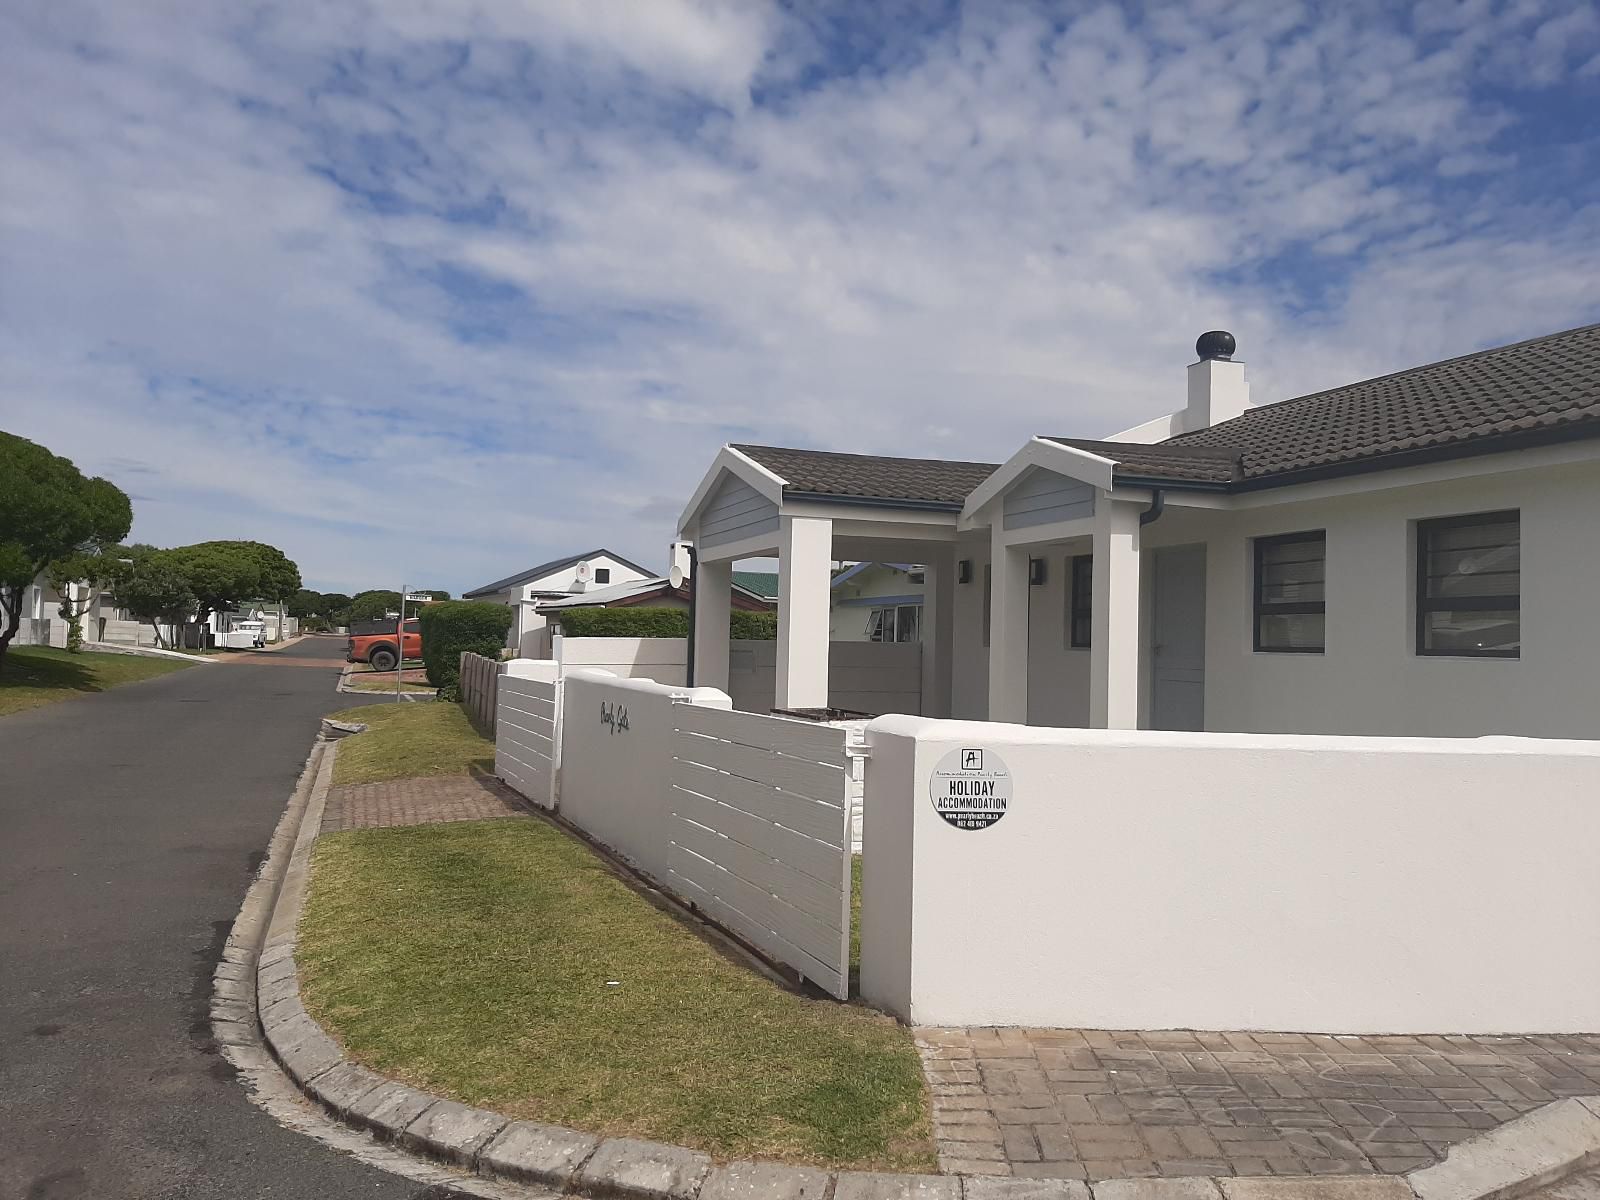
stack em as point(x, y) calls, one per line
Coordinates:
point(400, 646)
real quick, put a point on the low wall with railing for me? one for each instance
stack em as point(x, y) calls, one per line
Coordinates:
point(1144, 880)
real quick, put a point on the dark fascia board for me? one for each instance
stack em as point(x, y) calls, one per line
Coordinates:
point(954, 506)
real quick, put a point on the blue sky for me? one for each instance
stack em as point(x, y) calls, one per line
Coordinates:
point(430, 292)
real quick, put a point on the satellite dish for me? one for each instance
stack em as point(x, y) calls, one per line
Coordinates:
point(584, 571)
point(676, 576)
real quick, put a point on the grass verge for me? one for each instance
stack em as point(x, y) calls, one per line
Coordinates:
point(36, 675)
point(404, 741)
point(388, 687)
point(502, 963)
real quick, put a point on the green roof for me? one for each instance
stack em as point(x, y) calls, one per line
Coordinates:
point(762, 583)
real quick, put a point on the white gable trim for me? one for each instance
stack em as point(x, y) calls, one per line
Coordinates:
point(744, 467)
point(1049, 456)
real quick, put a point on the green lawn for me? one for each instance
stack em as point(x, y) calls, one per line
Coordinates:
point(502, 963)
point(35, 675)
point(388, 687)
point(408, 739)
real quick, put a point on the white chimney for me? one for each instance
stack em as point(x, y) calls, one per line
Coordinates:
point(1217, 390)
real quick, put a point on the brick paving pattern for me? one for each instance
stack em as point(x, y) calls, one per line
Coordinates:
point(416, 802)
point(1095, 1104)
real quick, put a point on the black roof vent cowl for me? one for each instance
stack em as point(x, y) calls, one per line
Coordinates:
point(1217, 344)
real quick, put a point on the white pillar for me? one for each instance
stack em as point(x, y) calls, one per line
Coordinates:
point(938, 631)
point(713, 584)
point(805, 576)
point(1114, 622)
point(1008, 630)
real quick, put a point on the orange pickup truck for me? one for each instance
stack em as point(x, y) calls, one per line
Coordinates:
point(374, 644)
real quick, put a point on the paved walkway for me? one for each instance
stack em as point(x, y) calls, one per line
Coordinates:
point(1093, 1104)
point(416, 802)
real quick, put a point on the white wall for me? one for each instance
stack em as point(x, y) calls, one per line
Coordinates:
point(660, 659)
point(869, 677)
point(527, 733)
point(1215, 881)
point(615, 775)
point(1370, 680)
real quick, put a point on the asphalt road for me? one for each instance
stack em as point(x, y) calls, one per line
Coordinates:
point(131, 823)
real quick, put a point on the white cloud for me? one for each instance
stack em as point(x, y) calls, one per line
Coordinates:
point(441, 290)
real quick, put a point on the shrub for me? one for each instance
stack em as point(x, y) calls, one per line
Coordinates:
point(450, 627)
point(660, 623)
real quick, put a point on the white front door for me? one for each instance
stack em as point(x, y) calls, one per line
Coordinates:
point(1178, 639)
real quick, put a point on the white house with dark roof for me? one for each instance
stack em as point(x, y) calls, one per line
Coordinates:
point(1413, 554)
point(554, 580)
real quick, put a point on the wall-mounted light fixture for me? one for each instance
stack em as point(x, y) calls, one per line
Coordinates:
point(964, 571)
point(1036, 571)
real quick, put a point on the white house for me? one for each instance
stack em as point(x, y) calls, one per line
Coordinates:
point(877, 602)
point(1413, 554)
point(554, 580)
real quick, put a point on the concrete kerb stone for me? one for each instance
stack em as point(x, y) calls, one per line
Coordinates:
point(640, 1170)
point(1191, 1187)
point(1342, 1187)
point(766, 1181)
point(877, 1185)
point(1537, 1149)
point(993, 1187)
point(531, 1153)
point(452, 1131)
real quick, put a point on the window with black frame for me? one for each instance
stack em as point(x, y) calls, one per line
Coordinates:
point(1080, 600)
point(1469, 586)
point(1291, 599)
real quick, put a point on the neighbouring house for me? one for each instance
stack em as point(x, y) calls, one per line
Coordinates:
point(554, 580)
point(41, 622)
point(656, 592)
point(761, 583)
point(1411, 554)
point(877, 602)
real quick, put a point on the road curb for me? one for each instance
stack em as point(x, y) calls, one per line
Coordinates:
point(258, 982)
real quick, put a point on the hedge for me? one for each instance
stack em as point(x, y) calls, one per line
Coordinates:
point(660, 623)
point(452, 626)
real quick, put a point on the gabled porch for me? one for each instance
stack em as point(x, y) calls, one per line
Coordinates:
point(991, 539)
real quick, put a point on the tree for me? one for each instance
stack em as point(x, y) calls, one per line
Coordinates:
point(222, 574)
point(151, 586)
point(374, 605)
point(306, 603)
point(334, 606)
point(49, 511)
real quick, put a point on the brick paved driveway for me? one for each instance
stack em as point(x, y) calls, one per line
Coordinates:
point(416, 802)
point(1094, 1104)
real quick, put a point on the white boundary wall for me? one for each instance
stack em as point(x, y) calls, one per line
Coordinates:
point(660, 659)
point(870, 677)
point(1144, 880)
point(760, 829)
point(616, 761)
point(527, 739)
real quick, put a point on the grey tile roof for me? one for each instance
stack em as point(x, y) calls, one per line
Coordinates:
point(1543, 390)
point(1546, 389)
point(1193, 464)
point(555, 564)
point(932, 481)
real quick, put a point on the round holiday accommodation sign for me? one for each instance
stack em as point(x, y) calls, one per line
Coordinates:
point(970, 788)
